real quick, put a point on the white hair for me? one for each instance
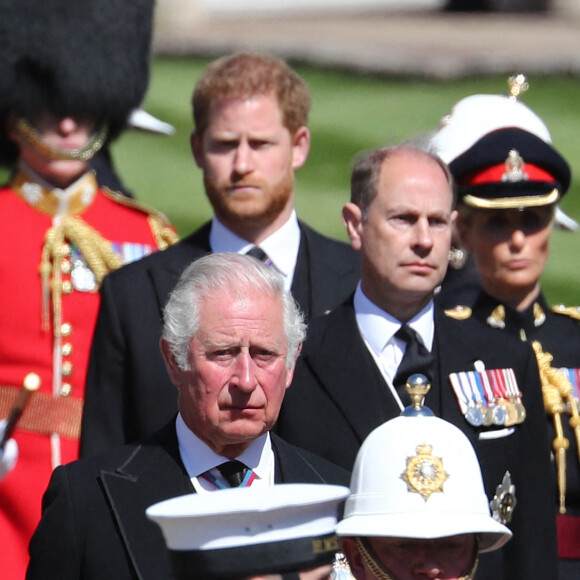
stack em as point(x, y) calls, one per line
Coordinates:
point(233, 273)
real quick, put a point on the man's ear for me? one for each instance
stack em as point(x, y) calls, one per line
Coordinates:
point(171, 366)
point(355, 561)
point(290, 371)
point(353, 220)
point(300, 147)
point(195, 142)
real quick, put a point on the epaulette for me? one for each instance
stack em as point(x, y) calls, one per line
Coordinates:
point(571, 311)
point(459, 312)
point(164, 232)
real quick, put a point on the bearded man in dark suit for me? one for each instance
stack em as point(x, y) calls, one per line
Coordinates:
point(350, 373)
point(251, 134)
point(230, 342)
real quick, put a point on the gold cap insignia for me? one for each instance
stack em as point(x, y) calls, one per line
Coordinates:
point(517, 84)
point(425, 474)
point(514, 168)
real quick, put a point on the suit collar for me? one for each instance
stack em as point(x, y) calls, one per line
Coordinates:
point(165, 271)
point(149, 473)
point(341, 358)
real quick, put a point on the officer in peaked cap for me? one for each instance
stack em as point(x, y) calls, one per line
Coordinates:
point(421, 510)
point(71, 74)
point(471, 119)
point(510, 180)
point(249, 532)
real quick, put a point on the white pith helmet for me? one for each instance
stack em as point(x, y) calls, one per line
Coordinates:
point(419, 477)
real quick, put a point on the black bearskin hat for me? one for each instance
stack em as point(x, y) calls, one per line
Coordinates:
point(73, 58)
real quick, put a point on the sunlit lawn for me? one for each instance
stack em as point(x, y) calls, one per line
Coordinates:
point(350, 113)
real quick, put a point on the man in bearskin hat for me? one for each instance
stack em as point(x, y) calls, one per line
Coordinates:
point(71, 74)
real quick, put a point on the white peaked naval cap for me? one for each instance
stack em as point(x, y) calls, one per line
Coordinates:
point(251, 530)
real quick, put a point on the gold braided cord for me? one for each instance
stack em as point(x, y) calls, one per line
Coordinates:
point(557, 392)
point(38, 143)
point(164, 235)
point(381, 573)
point(96, 250)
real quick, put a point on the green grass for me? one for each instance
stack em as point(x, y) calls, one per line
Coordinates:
point(350, 113)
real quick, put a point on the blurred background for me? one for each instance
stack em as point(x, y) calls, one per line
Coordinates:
point(380, 71)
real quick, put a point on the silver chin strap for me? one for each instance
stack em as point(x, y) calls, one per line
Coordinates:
point(29, 135)
point(381, 572)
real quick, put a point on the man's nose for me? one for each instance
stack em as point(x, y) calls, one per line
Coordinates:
point(423, 236)
point(244, 375)
point(243, 159)
point(67, 125)
point(427, 564)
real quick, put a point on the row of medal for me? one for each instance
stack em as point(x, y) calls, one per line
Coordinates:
point(489, 397)
point(82, 277)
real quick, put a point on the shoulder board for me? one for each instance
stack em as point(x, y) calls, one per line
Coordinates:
point(130, 202)
point(163, 232)
point(459, 312)
point(571, 311)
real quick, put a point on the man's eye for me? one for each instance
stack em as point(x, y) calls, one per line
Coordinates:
point(438, 223)
point(263, 355)
point(404, 219)
point(221, 354)
point(222, 146)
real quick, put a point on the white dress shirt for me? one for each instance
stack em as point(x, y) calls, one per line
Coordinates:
point(198, 458)
point(281, 247)
point(378, 329)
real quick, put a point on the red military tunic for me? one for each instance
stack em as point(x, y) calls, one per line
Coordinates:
point(46, 326)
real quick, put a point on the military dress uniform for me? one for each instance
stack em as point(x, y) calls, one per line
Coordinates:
point(501, 156)
point(557, 331)
point(57, 247)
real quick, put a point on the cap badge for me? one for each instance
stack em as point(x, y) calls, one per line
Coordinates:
point(504, 501)
point(425, 474)
point(514, 168)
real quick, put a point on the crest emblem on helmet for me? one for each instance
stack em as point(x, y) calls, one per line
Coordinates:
point(425, 474)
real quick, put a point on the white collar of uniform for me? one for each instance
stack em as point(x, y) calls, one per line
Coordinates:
point(197, 456)
point(378, 327)
point(281, 247)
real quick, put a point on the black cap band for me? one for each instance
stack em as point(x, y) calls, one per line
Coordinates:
point(271, 558)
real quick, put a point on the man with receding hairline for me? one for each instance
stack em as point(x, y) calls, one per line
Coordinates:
point(351, 374)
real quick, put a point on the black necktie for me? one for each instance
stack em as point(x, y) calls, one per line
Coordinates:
point(233, 472)
point(257, 252)
point(417, 359)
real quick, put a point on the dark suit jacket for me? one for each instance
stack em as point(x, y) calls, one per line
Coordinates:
point(94, 526)
point(128, 392)
point(338, 396)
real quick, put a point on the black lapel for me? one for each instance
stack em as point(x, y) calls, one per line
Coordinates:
point(301, 283)
point(453, 348)
point(292, 464)
point(164, 273)
point(153, 472)
point(349, 375)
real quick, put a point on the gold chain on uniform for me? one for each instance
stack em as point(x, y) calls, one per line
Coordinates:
point(96, 250)
point(557, 391)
